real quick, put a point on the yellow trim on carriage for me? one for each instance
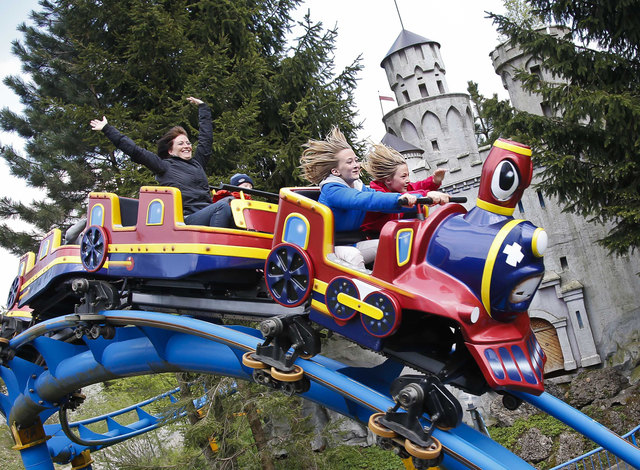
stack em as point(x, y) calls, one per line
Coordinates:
point(320, 307)
point(487, 273)
point(314, 206)
point(320, 286)
point(307, 232)
point(239, 205)
point(19, 314)
point(407, 257)
point(360, 306)
point(148, 217)
point(27, 262)
point(54, 262)
point(192, 249)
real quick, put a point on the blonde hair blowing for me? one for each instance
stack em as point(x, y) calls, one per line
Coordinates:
point(319, 156)
point(382, 162)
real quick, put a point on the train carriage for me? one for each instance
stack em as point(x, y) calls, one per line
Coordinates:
point(146, 243)
point(447, 295)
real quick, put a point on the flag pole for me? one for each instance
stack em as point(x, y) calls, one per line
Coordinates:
point(380, 101)
point(399, 16)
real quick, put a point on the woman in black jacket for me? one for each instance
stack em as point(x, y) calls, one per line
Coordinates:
point(175, 165)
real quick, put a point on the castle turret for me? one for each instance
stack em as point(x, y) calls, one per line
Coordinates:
point(428, 116)
point(508, 58)
point(414, 68)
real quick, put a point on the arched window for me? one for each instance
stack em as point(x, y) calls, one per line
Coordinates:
point(296, 230)
point(432, 128)
point(409, 132)
point(155, 212)
point(404, 241)
point(455, 122)
point(44, 249)
point(97, 215)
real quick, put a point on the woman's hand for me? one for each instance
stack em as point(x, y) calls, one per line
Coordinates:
point(195, 101)
point(438, 176)
point(407, 200)
point(97, 124)
point(438, 198)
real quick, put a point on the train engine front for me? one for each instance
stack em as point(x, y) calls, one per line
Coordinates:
point(499, 259)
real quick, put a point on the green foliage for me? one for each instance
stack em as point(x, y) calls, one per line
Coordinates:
point(519, 11)
point(289, 434)
point(136, 62)
point(367, 458)
point(184, 444)
point(9, 459)
point(227, 420)
point(124, 392)
point(590, 147)
point(489, 114)
point(509, 435)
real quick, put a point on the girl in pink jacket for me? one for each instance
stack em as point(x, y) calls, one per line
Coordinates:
point(390, 174)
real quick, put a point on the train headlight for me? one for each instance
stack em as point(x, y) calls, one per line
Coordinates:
point(539, 242)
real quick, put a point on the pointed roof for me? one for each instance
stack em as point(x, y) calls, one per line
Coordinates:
point(400, 145)
point(407, 39)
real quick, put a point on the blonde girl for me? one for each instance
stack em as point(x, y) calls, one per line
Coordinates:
point(390, 174)
point(333, 165)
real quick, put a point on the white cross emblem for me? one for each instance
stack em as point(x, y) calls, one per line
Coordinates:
point(514, 254)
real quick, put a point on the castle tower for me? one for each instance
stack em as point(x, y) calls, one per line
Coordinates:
point(428, 116)
point(508, 59)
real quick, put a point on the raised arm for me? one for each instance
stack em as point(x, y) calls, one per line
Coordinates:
point(205, 131)
point(97, 124)
point(433, 182)
point(129, 147)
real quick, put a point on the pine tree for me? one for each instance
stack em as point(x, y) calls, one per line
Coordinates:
point(590, 148)
point(489, 114)
point(135, 61)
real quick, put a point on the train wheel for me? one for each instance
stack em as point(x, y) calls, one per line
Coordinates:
point(378, 429)
point(251, 363)
point(391, 315)
point(14, 291)
point(337, 286)
point(94, 248)
point(292, 376)
point(425, 453)
point(289, 275)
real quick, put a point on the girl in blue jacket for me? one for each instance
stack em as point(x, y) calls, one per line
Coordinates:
point(332, 164)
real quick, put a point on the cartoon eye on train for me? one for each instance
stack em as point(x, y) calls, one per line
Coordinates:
point(447, 295)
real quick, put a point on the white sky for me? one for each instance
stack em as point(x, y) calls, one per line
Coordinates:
point(365, 27)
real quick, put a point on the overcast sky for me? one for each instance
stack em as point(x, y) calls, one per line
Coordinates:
point(365, 27)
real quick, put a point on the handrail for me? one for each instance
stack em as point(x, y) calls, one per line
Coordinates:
point(582, 459)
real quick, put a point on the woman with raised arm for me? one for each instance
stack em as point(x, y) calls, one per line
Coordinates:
point(176, 165)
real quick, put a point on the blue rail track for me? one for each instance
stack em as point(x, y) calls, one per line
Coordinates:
point(150, 343)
